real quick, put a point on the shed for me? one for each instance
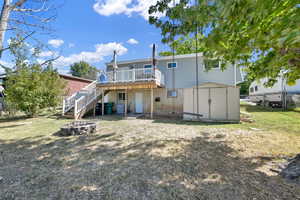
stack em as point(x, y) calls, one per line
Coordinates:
point(216, 102)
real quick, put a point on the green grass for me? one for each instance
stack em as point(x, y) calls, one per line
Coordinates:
point(273, 119)
point(149, 159)
point(265, 119)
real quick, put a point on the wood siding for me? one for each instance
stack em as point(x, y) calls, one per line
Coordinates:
point(165, 106)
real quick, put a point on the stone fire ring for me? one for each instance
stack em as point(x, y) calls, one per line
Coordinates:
point(78, 128)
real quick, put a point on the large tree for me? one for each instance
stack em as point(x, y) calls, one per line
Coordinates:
point(263, 35)
point(84, 70)
point(25, 17)
point(31, 86)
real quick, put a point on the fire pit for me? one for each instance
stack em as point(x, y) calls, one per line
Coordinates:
point(78, 128)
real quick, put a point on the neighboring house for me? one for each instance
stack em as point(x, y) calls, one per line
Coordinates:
point(280, 95)
point(74, 84)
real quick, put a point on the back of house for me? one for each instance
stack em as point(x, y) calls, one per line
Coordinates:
point(172, 76)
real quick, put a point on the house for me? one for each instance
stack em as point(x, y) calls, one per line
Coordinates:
point(135, 86)
point(279, 95)
point(74, 84)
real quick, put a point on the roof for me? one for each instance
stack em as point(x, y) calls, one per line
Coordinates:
point(158, 59)
point(75, 77)
point(214, 84)
point(64, 76)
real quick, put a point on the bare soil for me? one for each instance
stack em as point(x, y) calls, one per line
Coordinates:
point(145, 159)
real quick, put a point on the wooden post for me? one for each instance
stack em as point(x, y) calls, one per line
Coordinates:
point(151, 103)
point(126, 98)
point(94, 110)
point(102, 102)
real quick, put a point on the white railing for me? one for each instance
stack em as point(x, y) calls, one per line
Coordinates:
point(85, 100)
point(68, 103)
point(134, 75)
point(81, 95)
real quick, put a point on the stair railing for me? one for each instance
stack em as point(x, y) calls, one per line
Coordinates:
point(70, 102)
point(90, 94)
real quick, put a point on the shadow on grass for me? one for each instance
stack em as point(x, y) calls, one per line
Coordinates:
point(254, 108)
point(107, 166)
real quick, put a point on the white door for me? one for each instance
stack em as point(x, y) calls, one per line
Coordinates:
point(139, 102)
point(218, 107)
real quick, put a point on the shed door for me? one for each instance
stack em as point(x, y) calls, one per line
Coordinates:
point(139, 102)
point(218, 103)
point(203, 102)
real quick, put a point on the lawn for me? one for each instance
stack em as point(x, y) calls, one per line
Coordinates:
point(150, 159)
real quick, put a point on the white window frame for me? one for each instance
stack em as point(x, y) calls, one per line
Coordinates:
point(204, 67)
point(121, 100)
point(171, 96)
point(172, 67)
point(145, 69)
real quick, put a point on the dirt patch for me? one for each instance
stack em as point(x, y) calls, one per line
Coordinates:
point(139, 159)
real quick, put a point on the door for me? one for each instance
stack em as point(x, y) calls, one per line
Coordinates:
point(139, 103)
point(218, 106)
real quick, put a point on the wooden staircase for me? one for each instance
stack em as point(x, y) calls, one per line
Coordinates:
point(77, 105)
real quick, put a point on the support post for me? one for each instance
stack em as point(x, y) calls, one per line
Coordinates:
point(151, 103)
point(126, 98)
point(102, 102)
point(94, 110)
point(63, 107)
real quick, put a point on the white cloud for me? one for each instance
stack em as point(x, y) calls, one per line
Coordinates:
point(71, 45)
point(56, 42)
point(132, 41)
point(127, 7)
point(48, 54)
point(151, 46)
point(6, 64)
point(101, 50)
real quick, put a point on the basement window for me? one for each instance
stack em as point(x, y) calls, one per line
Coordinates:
point(172, 93)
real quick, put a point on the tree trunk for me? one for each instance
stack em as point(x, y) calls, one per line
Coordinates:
point(5, 12)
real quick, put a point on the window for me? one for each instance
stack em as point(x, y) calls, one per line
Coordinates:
point(148, 69)
point(172, 65)
point(256, 88)
point(251, 89)
point(121, 96)
point(172, 93)
point(211, 64)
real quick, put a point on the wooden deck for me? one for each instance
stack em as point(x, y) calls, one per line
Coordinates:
point(129, 85)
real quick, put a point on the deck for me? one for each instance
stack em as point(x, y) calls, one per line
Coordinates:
point(131, 79)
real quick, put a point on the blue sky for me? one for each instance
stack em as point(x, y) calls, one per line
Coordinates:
point(92, 29)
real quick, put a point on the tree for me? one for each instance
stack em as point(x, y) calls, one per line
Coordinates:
point(263, 35)
point(25, 17)
point(183, 45)
point(31, 87)
point(84, 70)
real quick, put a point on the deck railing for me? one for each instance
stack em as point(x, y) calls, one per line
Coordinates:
point(134, 75)
point(80, 99)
